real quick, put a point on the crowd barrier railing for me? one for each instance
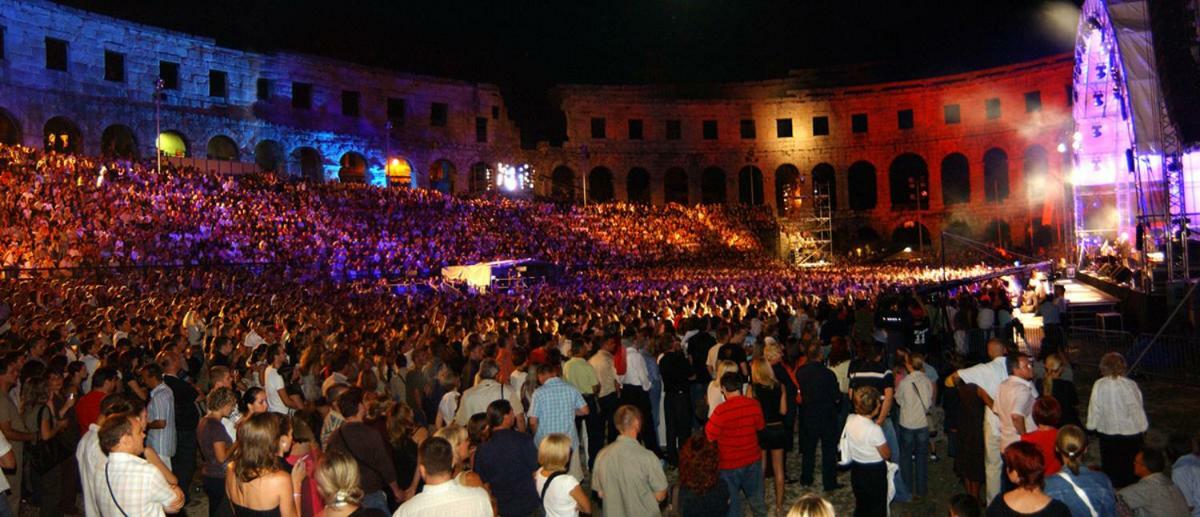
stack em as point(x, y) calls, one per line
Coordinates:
point(1172, 358)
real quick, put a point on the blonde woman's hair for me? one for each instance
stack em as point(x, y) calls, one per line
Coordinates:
point(554, 452)
point(456, 435)
point(1053, 371)
point(916, 360)
point(1071, 446)
point(761, 373)
point(338, 479)
point(724, 367)
point(1112, 365)
point(772, 351)
point(811, 505)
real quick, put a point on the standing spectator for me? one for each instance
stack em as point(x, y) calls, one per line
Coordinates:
point(47, 455)
point(187, 420)
point(734, 427)
point(337, 481)
point(915, 395)
point(442, 496)
point(215, 444)
point(1046, 412)
point(629, 478)
point(1024, 469)
point(697, 347)
point(476, 399)
point(819, 409)
point(8, 460)
point(1154, 494)
point(565, 498)
point(126, 484)
point(553, 410)
point(278, 399)
point(364, 443)
point(580, 374)
point(1085, 492)
point(773, 438)
point(255, 482)
point(87, 410)
point(507, 461)
point(988, 377)
point(677, 398)
point(160, 433)
point(1115, 412)
point(702, 493)
point(1063, 390)
point(608, 397)
point(404, 435)
point(1186, 475)
point(448, 406)
point(1014, 401)
point(872, 371)
point(867, 448)
point(635, 390)
point(715, 395)
point(14, 428)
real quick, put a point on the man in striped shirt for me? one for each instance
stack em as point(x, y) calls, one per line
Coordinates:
point(734, 426)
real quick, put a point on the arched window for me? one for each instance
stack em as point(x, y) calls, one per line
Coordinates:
point(10, 131)
point(637, 185)
point(787, 189)
point(956, 179)
point(311, 167)
point(908, 177)
point(477, 183)
point(117, 141)
point(911, 234)
point(863, 193)
point(712, 186)
point(675, 186)
point(221, 147)
point(1036, 167)
point(995, 175)
point(824, 183)
point(997, 232)
point(173, 143)
point(61, 134)
point(600, 185)
point(353, 168)
point(441, 176)
point(750, 186)
point(268, 154)
point(562, 184)
point(399, 172)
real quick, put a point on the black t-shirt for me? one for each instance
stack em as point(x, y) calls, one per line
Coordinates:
point(697, 347)
point(732, 352)
point(1000, 508)
point(870, 373)
point(675, 370)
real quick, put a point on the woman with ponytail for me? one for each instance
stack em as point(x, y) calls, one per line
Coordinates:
point(1086, 492)
point(337, 481)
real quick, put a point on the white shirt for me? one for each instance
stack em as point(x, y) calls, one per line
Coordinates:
point(988, 376)
point(88, 455)
point(253, 340)
point(331, 381)
point(445, 500)
point(5, 448)
point(448, 406)
point(915, 396)
point(137, 486)
point(558, 501)
point(476, 399)
point(635, 369)
point(1115, 407)
point(1015, 399)
point(274, 384)
point(864, 437)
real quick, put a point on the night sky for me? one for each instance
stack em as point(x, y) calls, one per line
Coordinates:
point(528, 46)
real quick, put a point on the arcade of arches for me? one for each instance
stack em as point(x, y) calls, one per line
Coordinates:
point(399, 173)
point(117, 141)
point(60, 134)
point(353, 168)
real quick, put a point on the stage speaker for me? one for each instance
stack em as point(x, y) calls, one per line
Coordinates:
point(1129, 158)
point(1122, 274)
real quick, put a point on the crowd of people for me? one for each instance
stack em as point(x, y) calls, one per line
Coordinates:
point(281, 389)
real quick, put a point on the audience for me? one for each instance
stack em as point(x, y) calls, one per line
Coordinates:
point(1154, 493)
point(1115, 412)
point(1025, 471)
point(567, 497)
point(628, 478)
point(1086, 492)
point(442, 495)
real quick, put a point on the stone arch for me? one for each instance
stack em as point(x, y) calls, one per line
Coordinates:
point(61, 134)
point(600, 185)
point(995, 175)
point(441, 176)
point(1035, 168)
point(637, 186)
point(353, 168)
point(787, 188)
point(956, 179)
point(399, 172)
point(10, 130)
point(712, 186)
point(863, 193)
point(268, 155)
point(959, 228)
point(477, 181)
point(309, 160)
point(908, 179)
point(750, 186)
point(173, 143)
point(675, 186)
point(824, 182)
point(997, 232)
point(562, 184)
point(912, 234)
point(118, 141)
point(222, 147)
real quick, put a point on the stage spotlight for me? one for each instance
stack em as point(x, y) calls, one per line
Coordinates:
point(1062, 148)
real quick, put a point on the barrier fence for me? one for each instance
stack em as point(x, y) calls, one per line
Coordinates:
point(1172, 358)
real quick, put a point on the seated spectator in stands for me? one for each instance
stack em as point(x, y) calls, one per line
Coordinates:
point(561, 493)
point(507, 462)
point(701, 490)
point(337, 481)
point(442, 496)
point(628, 477)
point(1154, 494)
point(1046, 412)
point(1098, 496)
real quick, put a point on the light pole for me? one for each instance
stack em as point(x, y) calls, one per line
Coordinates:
point(387, 152)
point(919, 195)
point(158, 88)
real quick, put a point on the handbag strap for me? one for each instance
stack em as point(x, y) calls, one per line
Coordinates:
point(1079, 492)
point(112, 494)
point(546, 486)
point(920, 398)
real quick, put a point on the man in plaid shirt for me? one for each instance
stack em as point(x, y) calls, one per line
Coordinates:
point(553, 410)
point(125, 485)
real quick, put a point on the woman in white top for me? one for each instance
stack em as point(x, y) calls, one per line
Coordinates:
point(866, 448)
point(715, 396)
point(1115, 412)
point(915, 396)
point(563, 497)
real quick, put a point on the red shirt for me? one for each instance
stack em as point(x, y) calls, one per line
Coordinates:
point(1044, 440)
point(734, 425)
point(87, 410)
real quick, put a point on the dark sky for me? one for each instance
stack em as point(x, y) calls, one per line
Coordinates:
point(528, 46)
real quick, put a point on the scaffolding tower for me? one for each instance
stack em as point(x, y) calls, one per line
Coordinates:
point(808, 235)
